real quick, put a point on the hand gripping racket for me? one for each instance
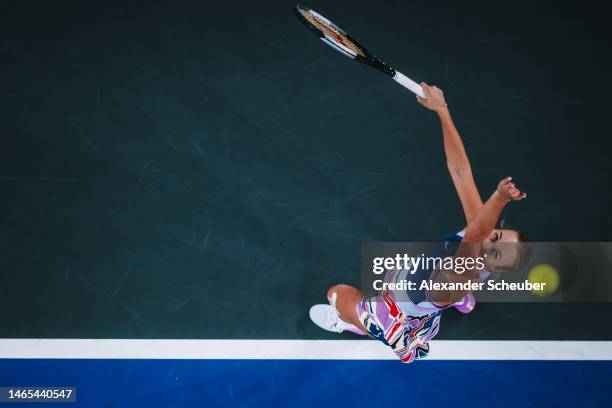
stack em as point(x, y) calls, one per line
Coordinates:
point(339, 40)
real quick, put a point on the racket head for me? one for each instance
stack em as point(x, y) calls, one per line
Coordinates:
point(338, 39)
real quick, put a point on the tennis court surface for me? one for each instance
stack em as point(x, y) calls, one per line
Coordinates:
point(182, 180)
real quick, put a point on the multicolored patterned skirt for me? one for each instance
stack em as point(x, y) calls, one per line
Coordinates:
point(408, 336)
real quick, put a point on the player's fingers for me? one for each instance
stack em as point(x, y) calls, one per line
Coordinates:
point(505, 182)
point(420, 100)
point(515, 188)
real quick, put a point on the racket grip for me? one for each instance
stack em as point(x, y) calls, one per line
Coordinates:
point(408, 83)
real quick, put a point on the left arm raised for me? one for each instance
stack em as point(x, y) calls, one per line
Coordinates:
point(477, 230)
point(486, 219)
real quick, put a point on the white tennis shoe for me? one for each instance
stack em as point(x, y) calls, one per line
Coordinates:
point(326, 317)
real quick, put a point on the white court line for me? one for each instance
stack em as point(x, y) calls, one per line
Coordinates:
point(297, 349)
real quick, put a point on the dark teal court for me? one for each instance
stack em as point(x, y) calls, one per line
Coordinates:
point(206, 170)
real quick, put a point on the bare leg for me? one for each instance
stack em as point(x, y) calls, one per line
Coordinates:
point(346, 304)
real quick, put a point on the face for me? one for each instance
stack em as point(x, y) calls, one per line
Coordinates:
point(500, 256)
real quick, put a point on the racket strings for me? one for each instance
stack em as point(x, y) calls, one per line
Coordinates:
point(331, 32)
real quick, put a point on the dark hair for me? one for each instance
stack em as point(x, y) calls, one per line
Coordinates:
point(524, 250)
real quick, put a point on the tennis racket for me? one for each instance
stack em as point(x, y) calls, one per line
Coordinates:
point(339, 40)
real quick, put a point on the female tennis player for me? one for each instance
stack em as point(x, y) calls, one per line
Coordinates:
point(408, 324)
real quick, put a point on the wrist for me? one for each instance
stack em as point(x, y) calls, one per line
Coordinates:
point(442, 110)
point(498, 198)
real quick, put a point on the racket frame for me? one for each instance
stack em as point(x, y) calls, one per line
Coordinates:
point(367, 57)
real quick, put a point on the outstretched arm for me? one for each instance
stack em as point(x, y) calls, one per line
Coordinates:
point(456, 157)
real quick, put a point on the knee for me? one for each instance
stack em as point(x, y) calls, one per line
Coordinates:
point(336, 289)
point(331, 291)
point(332, 295)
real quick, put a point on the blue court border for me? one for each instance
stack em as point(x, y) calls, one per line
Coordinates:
point(320, 383)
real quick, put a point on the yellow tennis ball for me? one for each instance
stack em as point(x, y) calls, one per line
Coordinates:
point(544, 273)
